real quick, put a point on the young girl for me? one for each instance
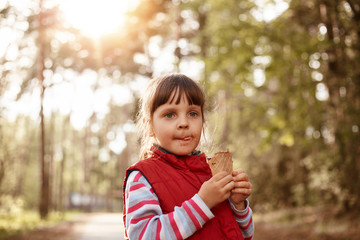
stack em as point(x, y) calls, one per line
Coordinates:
point(171, 193)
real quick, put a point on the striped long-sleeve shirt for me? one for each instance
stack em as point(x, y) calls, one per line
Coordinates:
point(144, 218)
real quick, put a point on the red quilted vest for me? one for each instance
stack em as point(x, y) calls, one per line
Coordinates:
point(177, 179)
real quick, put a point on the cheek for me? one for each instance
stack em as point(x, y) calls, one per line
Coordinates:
point(159, 128)
point(200, 127)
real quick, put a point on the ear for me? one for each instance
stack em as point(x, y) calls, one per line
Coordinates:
point(152, 134)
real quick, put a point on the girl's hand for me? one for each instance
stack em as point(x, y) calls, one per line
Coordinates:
point(242, 189)
point(216, 189)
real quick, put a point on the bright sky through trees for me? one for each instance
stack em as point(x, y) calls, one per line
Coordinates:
point(97, 17)
point(93, 18)
point(269, 10)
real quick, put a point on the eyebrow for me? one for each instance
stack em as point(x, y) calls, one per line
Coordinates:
point(195, 107)
point(174, 108)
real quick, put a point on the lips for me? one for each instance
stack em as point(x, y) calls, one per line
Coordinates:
point(187, 138)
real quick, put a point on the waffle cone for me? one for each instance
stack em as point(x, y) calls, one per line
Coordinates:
point(221, 161)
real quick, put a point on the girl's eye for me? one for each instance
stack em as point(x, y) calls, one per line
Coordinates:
point(169, 115)
point(193, 114)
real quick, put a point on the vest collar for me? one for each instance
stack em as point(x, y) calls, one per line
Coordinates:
point(195, 152)
point(195, 162)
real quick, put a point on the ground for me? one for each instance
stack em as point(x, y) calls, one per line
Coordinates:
point(320, 223)
point(63, 231)
point(311, 223)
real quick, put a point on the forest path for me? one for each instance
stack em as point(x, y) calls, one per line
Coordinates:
point(105, 226)
point(317, 225)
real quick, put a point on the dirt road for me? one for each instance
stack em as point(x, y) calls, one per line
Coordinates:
point(105, 226)
point(87, 226)
point(109, 226)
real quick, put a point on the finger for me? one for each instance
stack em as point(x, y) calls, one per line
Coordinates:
point(241, 177)
point(225, 180)
point(229, 186)
point(244, 191)
point(243, 184)
point(237, 171)
point(219, 175)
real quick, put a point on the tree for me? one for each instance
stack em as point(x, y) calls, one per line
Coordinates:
point(112, 56)
point(288, 90)
point(45, 169)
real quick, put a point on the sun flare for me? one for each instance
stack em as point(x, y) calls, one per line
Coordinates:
point(96, 17)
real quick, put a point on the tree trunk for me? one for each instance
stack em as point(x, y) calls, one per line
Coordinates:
point(63, 165)
point(45, 190)
point(345, 106)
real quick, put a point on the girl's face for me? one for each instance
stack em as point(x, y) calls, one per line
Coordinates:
point(177, 127)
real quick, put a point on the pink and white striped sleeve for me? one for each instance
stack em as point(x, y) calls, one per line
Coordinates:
point(244, 219)
point(144, 218)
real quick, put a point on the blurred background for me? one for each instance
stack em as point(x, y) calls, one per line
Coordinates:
point(282, 79)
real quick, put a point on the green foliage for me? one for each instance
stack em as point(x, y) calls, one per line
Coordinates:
point(290, 138)
point(11, 207)
point(26, 221)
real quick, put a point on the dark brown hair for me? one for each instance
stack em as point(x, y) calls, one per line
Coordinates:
point(171, 87)
point(180, 85)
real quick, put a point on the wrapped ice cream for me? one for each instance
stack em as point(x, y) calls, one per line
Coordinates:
point(221, 161)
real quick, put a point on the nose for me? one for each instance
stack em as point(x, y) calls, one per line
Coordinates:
point(183, 123)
